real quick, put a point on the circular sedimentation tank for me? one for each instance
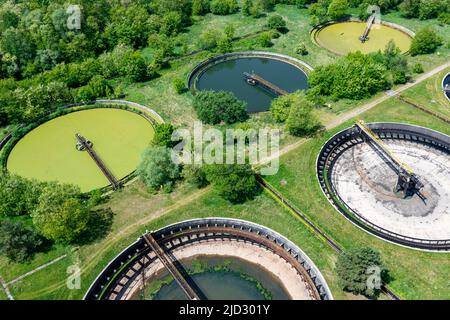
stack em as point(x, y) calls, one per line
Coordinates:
point(226, 73)
point(344, 37)
point(446, 86)
point(49, 152)
point(246, 260)
point(360, 183)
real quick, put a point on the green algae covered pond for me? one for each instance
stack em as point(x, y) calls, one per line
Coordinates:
point(49, 153)
point(343, 37)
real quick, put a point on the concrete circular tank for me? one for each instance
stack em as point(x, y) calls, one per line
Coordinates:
point(360, 181)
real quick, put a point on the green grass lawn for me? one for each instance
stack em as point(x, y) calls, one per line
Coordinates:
point(429, 94)
point(416, 275)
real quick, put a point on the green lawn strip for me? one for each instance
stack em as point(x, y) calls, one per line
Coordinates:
point(10, 271)
point(429, 94)
point(263, 210)
point(39, 285)
point(415, 274)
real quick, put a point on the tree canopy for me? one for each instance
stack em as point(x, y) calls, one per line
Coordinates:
point(17, 242)
point(425, 41)
point(355, 268)
point(61, 214)
point(355, 76)
point(157, 169)
point(214, 107)
point(234, 182)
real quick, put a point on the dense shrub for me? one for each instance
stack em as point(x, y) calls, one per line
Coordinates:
point(200, 7)
point(61, 215)
point(355, 76)
point(425, 41)
point(276, 22)
point(301, 121)
point(163, 135)
point(235, 183)
point(195, 175)
point(19, 196)
point(224, 7)
point(17, 242)
point(157, 169)
point(418, 68)
point(354, 267)
point(215, 107)
point(265, 39)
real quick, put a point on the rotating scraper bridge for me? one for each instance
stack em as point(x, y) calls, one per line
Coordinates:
point(127, 270)
point(351, 137)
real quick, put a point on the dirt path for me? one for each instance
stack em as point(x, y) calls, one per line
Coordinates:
point(356, 112)
point(5, 287)
point(36, 270)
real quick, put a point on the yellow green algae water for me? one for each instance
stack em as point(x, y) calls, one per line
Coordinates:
point(48, 153)
point(343, 38)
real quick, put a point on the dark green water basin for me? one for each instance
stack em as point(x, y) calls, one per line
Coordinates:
point(242, 280)
point(229, 76)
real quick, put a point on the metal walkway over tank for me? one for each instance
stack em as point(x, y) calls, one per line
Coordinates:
point(254, 79)
point(85, 145)
point(407, 182)
point(370, 23)
point(170, 266)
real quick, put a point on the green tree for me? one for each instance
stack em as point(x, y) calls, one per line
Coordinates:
point(209, 38)
point(224, 7)
point(281, 107)
point(17, 242)
point(301, 120)
point(157, 169)
point(99, 87)
point(179, 86)
point(418, 68)
point(301, 49)
point(246, 7)
point(195, 175)
point(425, 41)
point(429, 9)
point(276, 22)
point(337, 9)
point(18, 44)
point(354, 267)
point(235, 183)
point(163, 136)
point(409, 8)
point(172, 23)
point(19, 196)
point(214, 107)
point(355, 76)
point(396, 63)
point(265, 40)
point(200, 7)
point(61, 214)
